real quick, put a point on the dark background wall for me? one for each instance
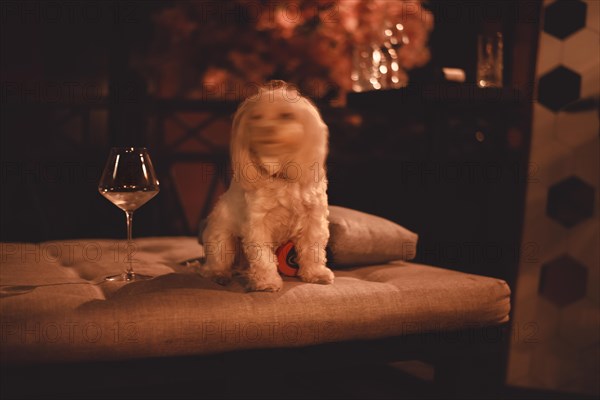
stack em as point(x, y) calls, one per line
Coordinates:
point(69, 93)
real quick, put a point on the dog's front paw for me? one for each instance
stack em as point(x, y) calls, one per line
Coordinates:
point(264, 284)
point(218, 276)
point(317, 274)
point(222, 280)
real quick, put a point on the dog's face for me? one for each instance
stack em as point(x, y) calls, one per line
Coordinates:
point(277, 127)
point(274, 128)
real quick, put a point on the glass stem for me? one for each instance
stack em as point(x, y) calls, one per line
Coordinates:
point(129, 271)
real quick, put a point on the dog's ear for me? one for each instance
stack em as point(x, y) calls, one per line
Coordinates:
point(243, 167)
point(318, 133)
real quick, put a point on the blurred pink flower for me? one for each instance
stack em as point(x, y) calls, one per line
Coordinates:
point(306, 42)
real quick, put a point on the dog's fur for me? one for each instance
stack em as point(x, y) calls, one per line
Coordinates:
point(278, 193)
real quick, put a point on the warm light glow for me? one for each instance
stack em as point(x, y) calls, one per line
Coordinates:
point(116, 166)
point(144, 167)
point(395, 66)
point(383, 69)
point(376, 56)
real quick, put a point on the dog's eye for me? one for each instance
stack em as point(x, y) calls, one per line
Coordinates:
point(255, 117)
point(286, 115)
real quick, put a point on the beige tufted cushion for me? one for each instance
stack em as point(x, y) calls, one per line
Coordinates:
point(358, 238)
point(50, 312)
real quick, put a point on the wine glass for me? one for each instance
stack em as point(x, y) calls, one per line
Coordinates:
point(128, 181)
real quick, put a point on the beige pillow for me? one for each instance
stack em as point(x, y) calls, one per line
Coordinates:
point(358, 238)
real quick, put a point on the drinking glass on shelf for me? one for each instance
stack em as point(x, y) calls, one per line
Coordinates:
point(128, 181)
point(489, 60)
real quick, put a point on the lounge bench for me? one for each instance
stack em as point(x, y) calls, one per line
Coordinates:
point(57, 313)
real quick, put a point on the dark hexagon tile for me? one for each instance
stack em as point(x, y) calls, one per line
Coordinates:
point(564, 17)
point(559, 87)
point(570, 201)
point(563, 280)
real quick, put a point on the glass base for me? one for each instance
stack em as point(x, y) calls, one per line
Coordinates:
point(128, 277)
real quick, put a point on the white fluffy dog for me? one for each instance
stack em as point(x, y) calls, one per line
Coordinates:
point(278, 193)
